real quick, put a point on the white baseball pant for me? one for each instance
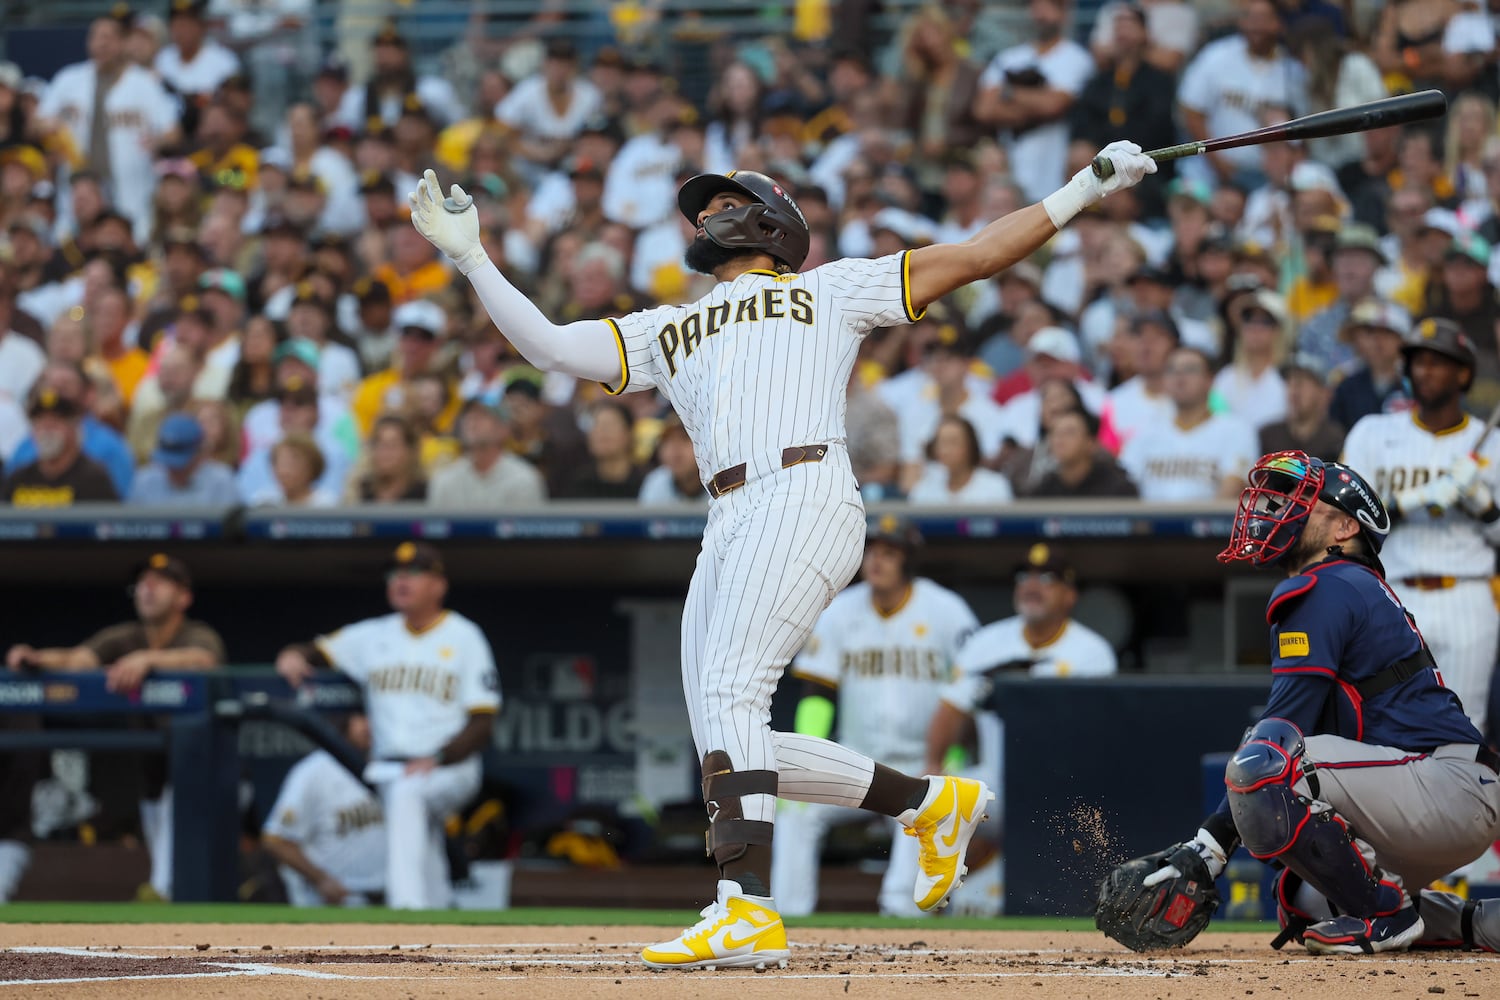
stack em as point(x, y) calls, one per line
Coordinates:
point(1462, 628)
point(416, 806)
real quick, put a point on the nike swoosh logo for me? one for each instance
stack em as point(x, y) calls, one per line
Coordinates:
point(1488, 781)
point(953, 840)
point(730, 942)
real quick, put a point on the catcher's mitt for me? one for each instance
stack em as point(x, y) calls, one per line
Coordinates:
point(1166, 915)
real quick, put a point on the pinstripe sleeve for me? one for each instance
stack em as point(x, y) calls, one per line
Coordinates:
point(635, 339)
point(873, 293)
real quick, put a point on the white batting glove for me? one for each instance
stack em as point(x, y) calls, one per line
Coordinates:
point(447, 226)
point(1086, 189)
point(1435, 497)
point(1474, 494)
point(1213, 855)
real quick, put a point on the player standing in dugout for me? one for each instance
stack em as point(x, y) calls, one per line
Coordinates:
point(757, 370)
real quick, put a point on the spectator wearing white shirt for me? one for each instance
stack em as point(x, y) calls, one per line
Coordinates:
point(1251, 384)
point(1227, 86)
point(21, 360)
point(1026, 92)
point(953, 474)
point(194, 65)
point(1197, 455)
point(393, 82)
point(310, 319)
point(948, 358)
point(488, 476)
point(640, 186)
point(296, 410)
point(138, 117)
point(1141, 400)
point(550, 107)
point(675, 478)
point(1172, 27)
point(276, 39)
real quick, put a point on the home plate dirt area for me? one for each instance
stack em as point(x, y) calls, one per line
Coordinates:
point(376, 962)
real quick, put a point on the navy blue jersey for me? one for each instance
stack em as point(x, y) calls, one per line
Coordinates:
point(1336, 625)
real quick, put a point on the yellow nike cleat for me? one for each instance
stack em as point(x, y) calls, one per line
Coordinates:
point(737, 932)
point(945, 823)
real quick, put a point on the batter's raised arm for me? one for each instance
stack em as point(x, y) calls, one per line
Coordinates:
point(939, 269)
point(586, 349)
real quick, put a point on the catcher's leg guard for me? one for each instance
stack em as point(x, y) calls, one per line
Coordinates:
point(730, 836)
point(1276, 823)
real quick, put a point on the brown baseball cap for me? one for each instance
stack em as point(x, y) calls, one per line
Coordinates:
point(416, 557)
point(1043, 558)
point(163, 565)
point(49, 400)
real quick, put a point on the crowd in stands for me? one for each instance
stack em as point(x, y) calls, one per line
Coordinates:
point(208, 299)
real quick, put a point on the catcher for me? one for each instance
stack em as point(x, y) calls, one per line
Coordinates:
point(1363, 780)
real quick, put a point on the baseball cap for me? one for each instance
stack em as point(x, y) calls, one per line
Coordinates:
point(1054, 342)
point(1310, 175)
point(1471, 247)
point(1360, 236)
point(178, 441)
point(893, 530)
point(161, 564)
point(1308, 364)
point(48, 400)
point(1440, 220)
point(221, 279)
point(1264, 300)
point(376, 182)
point(1381, 315)
point(415, 557)
point(1043, 558)
point(1151, 273)
point(301, 348)
point(909, 226)
point(187, 8)
point(1193, 190)
point(192, 305)
point(1159, 318)
point(276, 157)
point(581, 166)
point(421, 315)
point(371, 290)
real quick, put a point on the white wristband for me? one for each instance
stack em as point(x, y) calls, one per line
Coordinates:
point(1067, 201)
point(473, 258)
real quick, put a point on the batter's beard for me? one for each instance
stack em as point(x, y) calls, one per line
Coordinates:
point(705, 256)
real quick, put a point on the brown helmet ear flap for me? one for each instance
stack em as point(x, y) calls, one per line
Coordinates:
point(729, 833)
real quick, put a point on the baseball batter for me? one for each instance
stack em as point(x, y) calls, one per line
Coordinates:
point(431, 692)
point(758, 369)
point(1363, 779)
point(880, 652)
point(1440, 559)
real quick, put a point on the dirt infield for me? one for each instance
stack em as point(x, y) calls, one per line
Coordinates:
point(382, 962)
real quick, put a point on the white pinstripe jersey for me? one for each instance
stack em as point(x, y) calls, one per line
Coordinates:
point(762, 363)
point(1395, 453)
point(420, 687)
point(1169, 462)
point(1076, 651)
point(889, 668)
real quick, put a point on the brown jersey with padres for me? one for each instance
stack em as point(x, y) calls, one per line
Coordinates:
point(83, 481)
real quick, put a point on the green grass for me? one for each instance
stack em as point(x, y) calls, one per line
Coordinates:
point(252, 913)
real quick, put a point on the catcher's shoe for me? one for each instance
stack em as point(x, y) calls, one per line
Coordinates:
point(737, 932)
point(944, 824)
point(1362, 936)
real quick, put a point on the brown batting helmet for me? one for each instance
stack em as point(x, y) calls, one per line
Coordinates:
point(772, 223)
point(1440, 336)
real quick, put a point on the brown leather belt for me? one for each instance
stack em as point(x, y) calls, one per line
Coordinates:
point(1488, 758)
point(1436, 582)
point(733, 477)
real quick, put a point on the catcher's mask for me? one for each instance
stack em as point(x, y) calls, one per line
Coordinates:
point(1283, 488)
point(771, 224)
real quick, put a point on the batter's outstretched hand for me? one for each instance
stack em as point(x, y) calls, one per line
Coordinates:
point(451, 225)
point(1086, 188)
point(1474, 494)
point(1131, 165)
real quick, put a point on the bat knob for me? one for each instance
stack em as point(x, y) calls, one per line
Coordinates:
point(458, 207)
point(1103, 167)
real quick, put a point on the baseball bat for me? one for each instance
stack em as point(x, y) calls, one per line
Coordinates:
point(1383, 113)
point(1489, 426)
